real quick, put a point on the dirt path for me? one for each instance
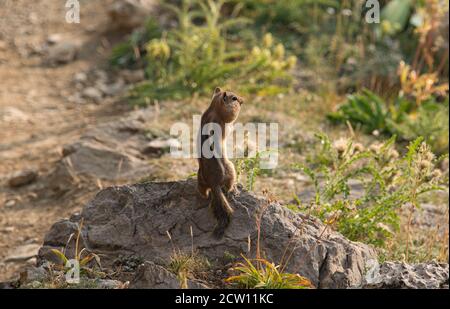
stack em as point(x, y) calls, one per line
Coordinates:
point(36, 116)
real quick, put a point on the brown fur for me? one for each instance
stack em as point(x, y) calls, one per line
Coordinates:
point(217, 174)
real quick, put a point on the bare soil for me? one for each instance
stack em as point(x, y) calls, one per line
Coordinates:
point(36, 117)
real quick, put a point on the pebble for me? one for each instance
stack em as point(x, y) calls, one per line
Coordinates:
point(22, 178)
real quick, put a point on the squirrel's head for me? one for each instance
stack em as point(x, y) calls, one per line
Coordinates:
point(227, 104)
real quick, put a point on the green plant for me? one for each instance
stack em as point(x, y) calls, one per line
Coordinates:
point(365, 109)
point(408, 119)
point(259, 273)
point(430, 120)
point(386, 182)
point(262, 274)
point(251, 168)
point(198, 53)
point(78, 254)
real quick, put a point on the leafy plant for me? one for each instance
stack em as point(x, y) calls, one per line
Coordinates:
point(365, 109)
point(251, 167)
point(387, 182)
point(262, 274)
point(78, 254)
point(409, 119)
point(430, 121)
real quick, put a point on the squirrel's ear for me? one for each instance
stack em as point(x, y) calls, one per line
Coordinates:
point(217, 90)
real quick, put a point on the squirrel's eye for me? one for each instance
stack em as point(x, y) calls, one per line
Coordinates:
point(234, 98)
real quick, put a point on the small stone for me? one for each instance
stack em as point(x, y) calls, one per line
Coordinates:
point(32, 273)
point(133, 76)
point(128, 14)
point(35, 284)
point(23, 253)
point(22, 178)
point(32, 261)
point(112, 89)
point(93, 94)
point(10, 203)
point(7, 229)
point(61, 53)
point(77, 98)
point(54, 38)
point(109, 284)
point(80, 77)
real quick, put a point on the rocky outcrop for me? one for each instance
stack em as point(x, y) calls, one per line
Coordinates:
point(396, 275)
point(135, 220)
point(111, 151)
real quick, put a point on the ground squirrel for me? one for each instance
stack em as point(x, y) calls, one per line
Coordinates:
point(216, 172)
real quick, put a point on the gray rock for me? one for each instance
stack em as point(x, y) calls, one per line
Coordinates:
point(10, 203)
point(93, 93)
point(22, 253)
point(80, 77)
point(152, 276)
point(61, 53)
point(33, 273)
point(54, 38)
point(133, 76)
point(22, 178)
point(129, 14)
point(109, 151)
point(134, 220)
point(397, 275)
point(109, 284)
point(112, 89)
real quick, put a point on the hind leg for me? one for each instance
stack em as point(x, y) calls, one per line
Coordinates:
point(230, 177)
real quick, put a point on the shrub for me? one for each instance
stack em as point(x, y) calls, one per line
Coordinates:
point(388, 182)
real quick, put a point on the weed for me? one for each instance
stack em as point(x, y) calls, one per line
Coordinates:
point(259, 273)
point(78, 256)
point(187, 265)
point(265, 275)
point(388, 181)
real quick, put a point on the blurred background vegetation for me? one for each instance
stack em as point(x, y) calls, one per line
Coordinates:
point(395, 72)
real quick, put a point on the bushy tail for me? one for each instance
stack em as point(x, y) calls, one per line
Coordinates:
point(221, 210)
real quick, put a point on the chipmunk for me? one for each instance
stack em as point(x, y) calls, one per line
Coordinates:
point(217, 173)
